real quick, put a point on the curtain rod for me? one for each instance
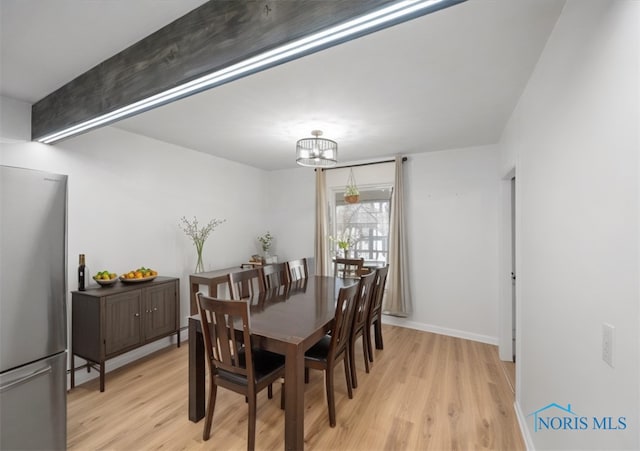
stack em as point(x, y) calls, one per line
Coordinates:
point(361, 164)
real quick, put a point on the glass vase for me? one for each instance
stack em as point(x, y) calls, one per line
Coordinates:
point(199, 263)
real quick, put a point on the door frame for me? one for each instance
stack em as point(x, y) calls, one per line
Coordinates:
point(506, 350)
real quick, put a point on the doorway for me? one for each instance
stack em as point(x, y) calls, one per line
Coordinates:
point(513, 269)
point(507, 313)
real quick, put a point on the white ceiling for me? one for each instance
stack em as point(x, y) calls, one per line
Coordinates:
point(442, 81)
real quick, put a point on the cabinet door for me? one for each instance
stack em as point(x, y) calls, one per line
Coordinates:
point(122, 321)
point(160, 310)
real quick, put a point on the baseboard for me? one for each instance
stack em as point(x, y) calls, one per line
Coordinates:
point(524, 430)
point(83, 376)
point(396, 321)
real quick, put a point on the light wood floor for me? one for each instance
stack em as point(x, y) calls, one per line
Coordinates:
point(424, 392)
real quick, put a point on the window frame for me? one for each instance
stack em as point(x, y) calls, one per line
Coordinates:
point(332, 219)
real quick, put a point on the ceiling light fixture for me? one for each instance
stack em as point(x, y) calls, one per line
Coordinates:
point(316, 151)
point(395, 13)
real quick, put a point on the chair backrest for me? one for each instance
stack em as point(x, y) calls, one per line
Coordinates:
point(378, 292)
point(275, 275)
point(298, 269)
point(364, 300)
point(347, 267)
point(220, 319)
point(311, 265)
point(341, 330)
point(246, 284)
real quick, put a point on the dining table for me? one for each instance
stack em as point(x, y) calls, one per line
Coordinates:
point(286, 320)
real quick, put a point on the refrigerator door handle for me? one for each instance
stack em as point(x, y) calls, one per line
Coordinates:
point(26, 378)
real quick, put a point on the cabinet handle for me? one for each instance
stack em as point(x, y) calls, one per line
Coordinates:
point(137, 314)
point(155, 309)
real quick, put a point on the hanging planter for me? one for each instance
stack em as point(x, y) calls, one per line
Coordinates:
point(351, 193)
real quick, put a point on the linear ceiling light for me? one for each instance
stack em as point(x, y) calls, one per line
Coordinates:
point(333, 35)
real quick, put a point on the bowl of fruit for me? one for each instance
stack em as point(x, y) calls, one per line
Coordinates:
point(141, 274)
point(106, 278)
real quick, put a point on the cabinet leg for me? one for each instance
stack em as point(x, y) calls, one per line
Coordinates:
point(101, 376)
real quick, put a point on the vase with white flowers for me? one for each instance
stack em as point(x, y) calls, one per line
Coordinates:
point(266, 241)
point(199, 235)
point(345, 240)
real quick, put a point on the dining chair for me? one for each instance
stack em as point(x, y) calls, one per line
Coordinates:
point(238, 368)
point(375, 313)
point(347, 267)
point(332, 349)
point(275, 275)
point(297, 269)
point(359, 328)
point(246, 284)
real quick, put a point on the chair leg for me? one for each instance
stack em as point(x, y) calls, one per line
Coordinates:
point(251, 439)
point(365, 351)
point(352, 362)
point(270, 391)
point(378, 329)
point(347, 375)
point(369, 348)
point(306, 375)
point(213, 390)
point(330, 396)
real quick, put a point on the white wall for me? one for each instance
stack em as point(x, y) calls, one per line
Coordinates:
point(452, 209)
point(291, 212)
point(15, 120)
point(126, 194)
point(574, 138)
point(452, 212)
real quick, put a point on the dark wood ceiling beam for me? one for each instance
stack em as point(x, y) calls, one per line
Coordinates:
point(211, 37)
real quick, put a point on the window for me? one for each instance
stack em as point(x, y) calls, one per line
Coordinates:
point(367, 222)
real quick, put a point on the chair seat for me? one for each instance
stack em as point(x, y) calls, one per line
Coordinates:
point(265, 363)
point(320, 350)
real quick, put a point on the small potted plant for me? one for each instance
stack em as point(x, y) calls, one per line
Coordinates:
point(351, 193)
point(266, 241)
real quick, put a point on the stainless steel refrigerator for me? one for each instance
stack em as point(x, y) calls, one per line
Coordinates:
point(33, 359)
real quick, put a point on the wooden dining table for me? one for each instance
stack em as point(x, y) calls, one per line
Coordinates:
point(288, 322)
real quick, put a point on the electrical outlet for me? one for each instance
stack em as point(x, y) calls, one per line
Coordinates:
point(607, 343)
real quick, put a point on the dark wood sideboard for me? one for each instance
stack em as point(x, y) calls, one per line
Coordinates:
point(109, 321)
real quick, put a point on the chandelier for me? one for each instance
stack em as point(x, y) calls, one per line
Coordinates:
point(316, 151)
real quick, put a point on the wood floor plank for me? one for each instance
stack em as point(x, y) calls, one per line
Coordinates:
point(424, 392)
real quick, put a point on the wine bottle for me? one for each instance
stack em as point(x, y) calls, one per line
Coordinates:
point(81, 274)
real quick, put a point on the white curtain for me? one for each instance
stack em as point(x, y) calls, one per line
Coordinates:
point(321, 254)
point(398, 299)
